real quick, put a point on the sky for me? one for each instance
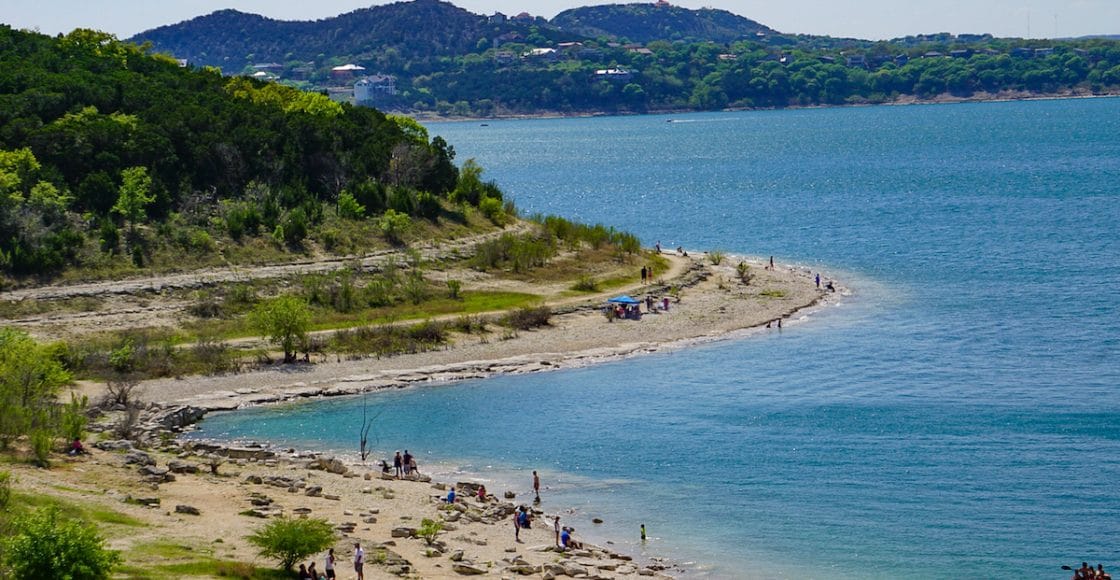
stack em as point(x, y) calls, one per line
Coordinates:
point(867, 19)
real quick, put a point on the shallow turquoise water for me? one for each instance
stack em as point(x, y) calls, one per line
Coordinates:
point(959, 416)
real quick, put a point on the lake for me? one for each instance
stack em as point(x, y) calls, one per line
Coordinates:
point(958, 415)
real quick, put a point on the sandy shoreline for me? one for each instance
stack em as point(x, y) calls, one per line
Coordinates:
point(714, 304)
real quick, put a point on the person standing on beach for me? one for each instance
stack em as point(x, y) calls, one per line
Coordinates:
point(771, 262)
point(556, 527)
point(329, 566)
point(406, 461)
point(643, 532)
point(397, 461)
point(658, 246)
point(517, 526)
point(818, 280)
point(643, 274)
point(537, 486)
point(359, 561)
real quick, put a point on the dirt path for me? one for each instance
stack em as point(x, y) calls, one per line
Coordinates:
point(213, 276)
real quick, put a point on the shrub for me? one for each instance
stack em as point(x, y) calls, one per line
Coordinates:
point(716, 257)
point(526, 318)
point(429, 529)
point(493, 210)
point(744, 272)
point(349, 208)
point(74, 417)
point(41, 442)
point(290, 540)
point(586, 284)
point(454, 288)
point(123, 358)
point(394, 225)
point(45, 547)
point(5, 489)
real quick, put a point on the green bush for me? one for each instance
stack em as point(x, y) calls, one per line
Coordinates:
point(429, 529)
point(349, 208)
point(41, 442)
point(290, 540)
point(586, 284)
point(45, 547)
point(716, 257)
point(5, 489)
point(527, 318)
point(493, 210)
point(394, 225)
point(74, 417)
point(454, 289)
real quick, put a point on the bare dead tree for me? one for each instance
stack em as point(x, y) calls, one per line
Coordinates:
point(367, 424)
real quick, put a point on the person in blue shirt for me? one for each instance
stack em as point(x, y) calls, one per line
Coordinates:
point(565, 537)
point(451, 496)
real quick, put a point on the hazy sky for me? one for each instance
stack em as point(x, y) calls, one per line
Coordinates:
point(870, 19)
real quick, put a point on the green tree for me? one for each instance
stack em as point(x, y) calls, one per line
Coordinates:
point(285, 321)
point(290, 540)
point(44, 546)
point(30, 377)
point(135, 195)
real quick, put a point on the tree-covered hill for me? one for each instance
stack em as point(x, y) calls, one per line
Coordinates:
point(393, 35)
point(110, 158)
point(627, 58)
point(647, 22)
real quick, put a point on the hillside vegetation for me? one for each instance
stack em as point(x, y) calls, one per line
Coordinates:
point(112, 160)
point(626, 58)
point(648, 22)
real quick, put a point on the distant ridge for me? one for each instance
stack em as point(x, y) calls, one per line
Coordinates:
point(647, 22)
point(231, 39)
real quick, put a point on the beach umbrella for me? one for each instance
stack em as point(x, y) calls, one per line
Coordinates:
point(624, 299)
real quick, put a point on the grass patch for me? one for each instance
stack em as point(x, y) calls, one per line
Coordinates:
point(773, 293)
point(468, 303)
point(71, 510)
point(24, 308)
point(200, 568)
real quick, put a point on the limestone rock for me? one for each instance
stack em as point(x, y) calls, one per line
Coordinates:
point(118, 445)
point(457, 556)
point(403, 532)
point(138, 457)
point(186, 509)
point(314, 491)
point(467, 569)
point(177, 466)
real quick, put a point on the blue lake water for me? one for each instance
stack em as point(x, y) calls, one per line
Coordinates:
point(958, 416)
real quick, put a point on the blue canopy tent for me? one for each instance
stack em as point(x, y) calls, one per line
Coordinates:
point(624, 299)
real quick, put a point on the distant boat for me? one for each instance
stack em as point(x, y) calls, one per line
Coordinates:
point(484, 125)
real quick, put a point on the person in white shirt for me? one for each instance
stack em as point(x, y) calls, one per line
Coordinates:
point(329, 567)
point(359, 560)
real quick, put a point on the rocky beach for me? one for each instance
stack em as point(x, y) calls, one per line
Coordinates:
point(206, 498)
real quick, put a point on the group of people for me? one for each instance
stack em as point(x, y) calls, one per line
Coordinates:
point(1087, 572)
point(308, 572)
point(404, 465)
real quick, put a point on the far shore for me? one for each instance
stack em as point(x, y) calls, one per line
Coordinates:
point(380, 513)
point(943, 99)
